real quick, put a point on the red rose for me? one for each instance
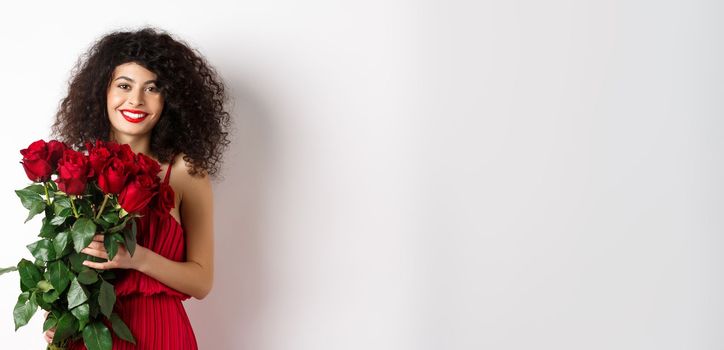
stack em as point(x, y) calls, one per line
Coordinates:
point(35, 161)
point(112, 146)
point(125, 154)
point(74, 169)
point(98, 155)
point(138, 193)
point(147, 166)
point(40, 159)
point(166, 199)
point(113, 177)
point(55, 151)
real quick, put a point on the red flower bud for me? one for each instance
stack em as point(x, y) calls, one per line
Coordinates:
point(98, 155)
point(138, 193)
point(125, 154)
point(55, 151)
point(147, 166)
point(40, 159)
point(74, 169)
point(113, 177)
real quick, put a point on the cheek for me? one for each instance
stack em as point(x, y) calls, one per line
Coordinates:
point(158, 105)
point(113, 101)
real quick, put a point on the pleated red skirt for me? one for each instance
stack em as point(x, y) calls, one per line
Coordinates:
point(153, 311)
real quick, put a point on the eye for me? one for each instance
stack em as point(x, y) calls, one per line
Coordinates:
point(123, 86)
point(152, 89)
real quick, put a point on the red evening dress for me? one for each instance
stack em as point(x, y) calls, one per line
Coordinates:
point(153, 311)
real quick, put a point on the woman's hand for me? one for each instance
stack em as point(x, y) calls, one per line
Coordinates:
point(50, 333)
point(122, 260)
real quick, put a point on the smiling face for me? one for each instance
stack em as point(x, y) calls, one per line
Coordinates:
point(134, 102)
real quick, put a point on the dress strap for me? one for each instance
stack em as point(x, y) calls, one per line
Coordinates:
point(168, 170)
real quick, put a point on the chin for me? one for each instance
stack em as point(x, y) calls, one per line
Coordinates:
point(124, 130)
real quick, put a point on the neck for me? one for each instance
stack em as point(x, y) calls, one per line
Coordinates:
point(138, 144)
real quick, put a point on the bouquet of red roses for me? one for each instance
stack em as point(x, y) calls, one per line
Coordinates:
point(81, 195)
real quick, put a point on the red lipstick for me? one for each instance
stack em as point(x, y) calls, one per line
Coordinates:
point(134, 115)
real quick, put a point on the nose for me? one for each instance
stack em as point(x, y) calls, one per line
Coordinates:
point(135, 98)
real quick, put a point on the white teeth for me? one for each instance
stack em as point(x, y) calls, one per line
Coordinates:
point(133, 115)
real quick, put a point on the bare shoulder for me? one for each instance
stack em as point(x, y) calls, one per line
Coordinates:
point(187, 184)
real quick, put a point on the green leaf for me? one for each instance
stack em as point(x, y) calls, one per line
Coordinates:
point(88, 277)
point(50, 322)
point(95, 309)
point(65, 212)
point(82, 313)
point(117, 239)
point(29, 274)
point(121, 330)
point(84, 207)
point(42, 250)
point(111, 217)
point(58, 220)
point(35, 209)
point(5, 270)
point(76, 294)
point(47, 230)
point(108, 275)
point(45, 286)
point(82, 232)
point(51, 297)
point(24, 310)
point(102, 226)
point(111, 245)
point(28, 198)
point(37, 188)
point(76, 262)
point(107, 298)
point(96, 336)
point(67, 325)
point(38, 297)
point(59, 275)
point(120, 226)
point(130, 236)
point(61, 204)
point(61, 244)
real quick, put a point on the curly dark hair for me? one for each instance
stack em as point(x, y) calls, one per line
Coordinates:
point(194, 120)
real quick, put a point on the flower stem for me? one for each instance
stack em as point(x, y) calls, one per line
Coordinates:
point(57, 347)
point(47, 197)
point(72, 205)
point(105, 200)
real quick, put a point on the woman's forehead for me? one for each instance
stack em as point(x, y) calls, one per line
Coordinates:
point(134, 72)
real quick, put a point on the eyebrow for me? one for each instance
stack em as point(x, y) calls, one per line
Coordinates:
point(131, 80)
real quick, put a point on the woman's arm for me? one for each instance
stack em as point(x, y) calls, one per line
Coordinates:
point(194, 276)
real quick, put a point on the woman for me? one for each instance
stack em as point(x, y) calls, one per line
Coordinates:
point(146, 89)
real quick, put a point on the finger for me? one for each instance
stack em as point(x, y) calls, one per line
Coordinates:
point(97, 245)
point(48, 339)
point(95, 252)
point(98, 238)
point(98, 266)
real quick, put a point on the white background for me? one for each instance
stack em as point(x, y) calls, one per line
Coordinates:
point(430, 175)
